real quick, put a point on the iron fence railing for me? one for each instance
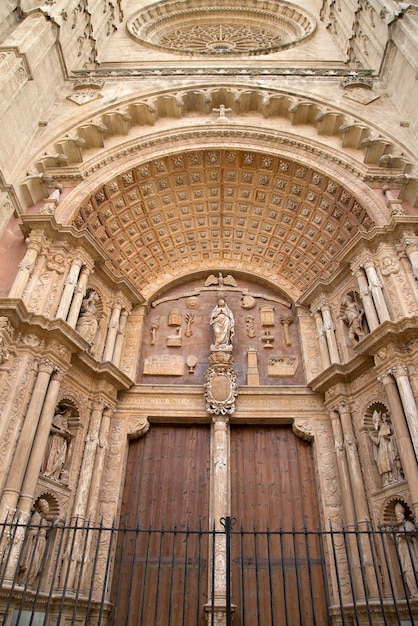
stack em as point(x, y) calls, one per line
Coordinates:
point(55, 575)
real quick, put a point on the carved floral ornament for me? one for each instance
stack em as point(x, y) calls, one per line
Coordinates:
point(221, 29)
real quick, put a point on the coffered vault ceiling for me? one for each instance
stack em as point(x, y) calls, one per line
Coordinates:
point(230, 208)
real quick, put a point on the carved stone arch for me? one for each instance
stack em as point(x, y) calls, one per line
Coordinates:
point(199, 99)
point(55, 511)
point(387, 513)
point(369, 408)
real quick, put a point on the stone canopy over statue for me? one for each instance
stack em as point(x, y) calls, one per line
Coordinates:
point(223, 324)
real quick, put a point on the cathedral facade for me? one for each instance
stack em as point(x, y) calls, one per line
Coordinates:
point(208, 306)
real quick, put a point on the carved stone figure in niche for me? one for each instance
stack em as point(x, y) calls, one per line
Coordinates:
point(352, 314)
point(155, 324)
point(220, 280)
point(249, 320)
point(407, 541)
point(385, 450)
point(88, 319)
point(56, 453)
point(223, 324)
point(35, 544)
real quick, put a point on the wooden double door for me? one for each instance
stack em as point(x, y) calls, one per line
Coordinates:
point(163, 563)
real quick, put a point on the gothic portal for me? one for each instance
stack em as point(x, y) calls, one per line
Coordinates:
point(208, 311)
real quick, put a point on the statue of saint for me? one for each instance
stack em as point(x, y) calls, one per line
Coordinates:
point(353, 316)
point(57, 446)
point(407, 541)
point(386, 454)
point(88, 322)
point(35, 544)
point(223, 324)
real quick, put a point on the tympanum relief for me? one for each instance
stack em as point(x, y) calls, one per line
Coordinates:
point(195, 323)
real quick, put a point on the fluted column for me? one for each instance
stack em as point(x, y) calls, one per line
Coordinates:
point(39, 443)
point(400, 373)
point(403, 438)
point(79, 293)
point(112, 332)
point(360, 500)
point(323, 346)
point(92, 441)
point(24, 445)
point(346, 493)
point(70, 285)
point(375, 287)
point(117, 353)
point(343, 473)
point(367, 300)
point(330, 333)
point(34, 246)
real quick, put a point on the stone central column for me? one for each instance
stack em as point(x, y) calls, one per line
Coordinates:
point(220, 394)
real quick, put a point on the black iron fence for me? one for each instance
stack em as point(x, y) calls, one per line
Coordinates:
point(55, 575)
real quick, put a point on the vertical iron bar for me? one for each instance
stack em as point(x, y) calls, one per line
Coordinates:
point(80, 575)
point(16, 571)
point(185, 572)
point(228, 527)
point(121, 565)
point(59, 529)
point(93, 573)
point(308, 557)
point(370, 535)
point(212, 616)
point(107, 569)
point(337, 573)
point(257, 583)
point(173, 562)
point(283, 575)
point(41, 569)
point(200, 567)
point(67, 574)
point(405, 588)
point(359, 542)
point(350, 573)
point(270, 570)
point(242, 574)
point(324, 575)
point(131, 576)
point(145, 574)
point(160, 556)
point(388, 569)
point(295, 554)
